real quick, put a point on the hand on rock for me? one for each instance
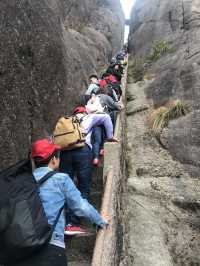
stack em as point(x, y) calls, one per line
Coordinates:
point(105, 216)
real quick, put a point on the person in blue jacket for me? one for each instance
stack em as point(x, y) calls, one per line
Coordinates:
point(55, 193)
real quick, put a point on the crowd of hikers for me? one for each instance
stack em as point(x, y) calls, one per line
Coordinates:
point(43, 205)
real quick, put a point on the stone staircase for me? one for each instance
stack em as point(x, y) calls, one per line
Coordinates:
point(80, 249)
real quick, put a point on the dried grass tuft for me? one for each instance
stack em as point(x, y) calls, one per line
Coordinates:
point(159, 118)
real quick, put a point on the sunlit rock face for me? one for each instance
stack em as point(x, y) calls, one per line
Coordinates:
point(177, 73)
point(47, 50)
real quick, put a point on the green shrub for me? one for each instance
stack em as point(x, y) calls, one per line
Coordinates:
point(159, 48)
point(138, 65)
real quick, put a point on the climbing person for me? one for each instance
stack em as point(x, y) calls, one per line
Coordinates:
point(78, 162)
point(111, 85)
point(89, 121)
point(102, 130)
point(98, 135)
point(98, 132)
point(94, 85)
point(94, 105)
point(108, 103)
point(101, 101)
point(57, 191)
point(97, 140)
point(121, 55)
point(110, 106)
point(44, 199)
point(115, 70)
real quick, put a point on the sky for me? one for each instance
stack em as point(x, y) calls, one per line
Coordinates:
point(127, 6)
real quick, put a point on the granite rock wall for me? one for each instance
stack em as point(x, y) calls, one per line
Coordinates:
point(47, 50)
point(177, 73)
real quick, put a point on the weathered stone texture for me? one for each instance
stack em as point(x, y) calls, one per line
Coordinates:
point(47, 50)
point(178, 73)
point(163, 201)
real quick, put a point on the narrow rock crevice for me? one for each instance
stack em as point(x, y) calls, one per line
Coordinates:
point(183, 15)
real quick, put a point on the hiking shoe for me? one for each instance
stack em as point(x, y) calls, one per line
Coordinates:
point(101, 152)
point(96, 162)
point(71, 230)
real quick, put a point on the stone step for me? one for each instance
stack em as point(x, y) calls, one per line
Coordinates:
point(97, 179)
point(80, 249)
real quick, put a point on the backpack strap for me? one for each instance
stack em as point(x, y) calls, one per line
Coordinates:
point(46, 177)
point(80, 119)
point(40, 182)
point(57, 218)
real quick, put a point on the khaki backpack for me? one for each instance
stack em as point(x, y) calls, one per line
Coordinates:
point(68, 133)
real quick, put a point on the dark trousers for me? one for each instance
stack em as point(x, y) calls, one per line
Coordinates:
point(49, 256)
point(97, 140)
point(113, 115)
point(78, 163)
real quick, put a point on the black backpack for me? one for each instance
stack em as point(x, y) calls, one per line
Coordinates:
point(24, 226)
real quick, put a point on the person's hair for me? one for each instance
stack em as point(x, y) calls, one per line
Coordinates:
point(39, 163)
point(104, 75)
point(93, 76)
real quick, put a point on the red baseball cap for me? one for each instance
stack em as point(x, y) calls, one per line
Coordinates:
point(79, 109)
point(44, 148)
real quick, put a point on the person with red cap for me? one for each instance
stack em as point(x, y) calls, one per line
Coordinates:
point(58, 191)
point(79, 162)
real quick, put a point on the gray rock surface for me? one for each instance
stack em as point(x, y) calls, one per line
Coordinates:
point(163, 201)
point(47, 50)
point(178, 73)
